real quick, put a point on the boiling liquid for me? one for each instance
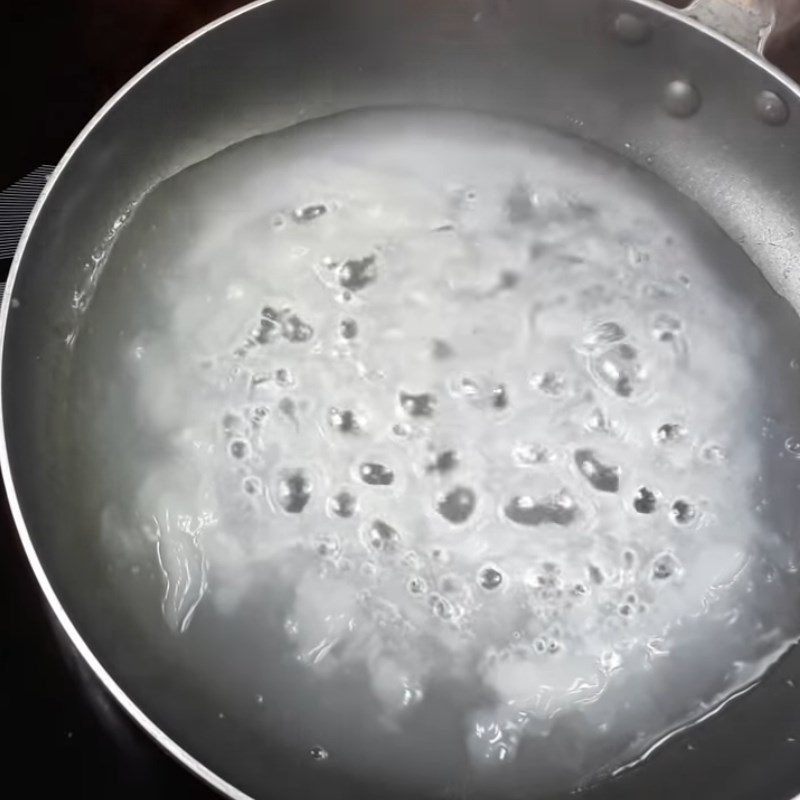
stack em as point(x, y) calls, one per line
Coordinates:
point(478, 408)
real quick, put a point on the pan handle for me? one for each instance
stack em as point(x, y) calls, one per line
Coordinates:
point(747, 22)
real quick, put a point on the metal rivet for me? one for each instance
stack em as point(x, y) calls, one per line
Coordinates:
point(631, 29)
point(771, 108)
point(681, 99)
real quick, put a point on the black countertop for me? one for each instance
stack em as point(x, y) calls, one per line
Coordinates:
point(61, 60)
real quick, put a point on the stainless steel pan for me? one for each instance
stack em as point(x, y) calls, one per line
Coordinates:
point(685, 94)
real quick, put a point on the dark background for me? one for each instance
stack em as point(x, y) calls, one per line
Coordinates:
point(61, 60)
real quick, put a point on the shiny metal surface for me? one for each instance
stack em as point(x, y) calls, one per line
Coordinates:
point(561, 63)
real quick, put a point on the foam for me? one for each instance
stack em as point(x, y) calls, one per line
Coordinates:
point(474, 392)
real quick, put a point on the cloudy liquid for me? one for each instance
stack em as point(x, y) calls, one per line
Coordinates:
point(480, 409)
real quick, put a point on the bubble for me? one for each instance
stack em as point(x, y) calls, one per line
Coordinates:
point(467, 388)
point(269, 326)
point(252, 485)
point(645, 501)
point(552, 384)
point(443, 462)
point(670, 432)
point(666, 328)
point(230, 423)
point(637, 257)
point(531, 455)
point(440, 554)
point(600, 421)
point(343, 504)
point(792, 446)
point(258, 415)
point(559, 509)
point(794, 365)
point(713, 454)
point(682, 512)
point(665, 566)
point(273, 324)
point(441, 349)
point(596, 574)
point(619, 370)
point(328, 546)
point(284, 377)
point(457, 505)
point(602, 477)
point(376, 474)
point(441, 607)
point(603, 335)
point(309, 212)
point(295, 329)
point(294, 490)
point(288, 408)
point(548, 582)
point(343, 421)
point(418, 405)
point(658, 292)
point(356, 273)
point(239, 449)
point(490, 578)
point(319, 753)
point(348, 328)
point(382, 537)
point(499, 397)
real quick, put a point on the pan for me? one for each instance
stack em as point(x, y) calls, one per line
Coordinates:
point(540, 540)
